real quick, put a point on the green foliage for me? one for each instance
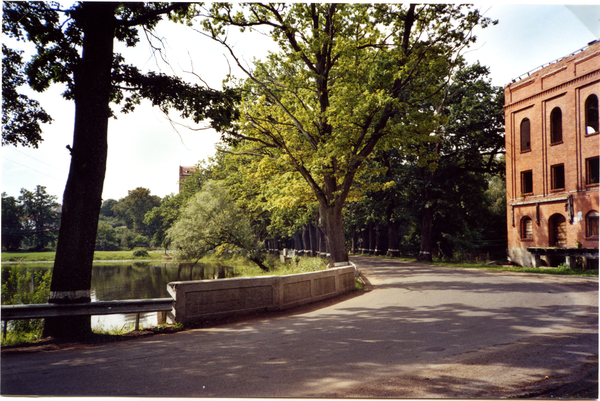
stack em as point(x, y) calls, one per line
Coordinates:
point(49, 256)
point(141, 253)
point(444, 191)
point(21, 116)
point(347, 79)
point(106, 239)
point(12, 223)
point(32, 220)
point(107, 208)
point(211, 220)
point(162, 217)
point(133, 208)
point(24, 286)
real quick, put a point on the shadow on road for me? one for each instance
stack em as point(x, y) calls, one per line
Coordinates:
point(442, 336)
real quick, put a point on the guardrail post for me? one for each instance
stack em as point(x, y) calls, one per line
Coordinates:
point(137, 321)
point(4, 330)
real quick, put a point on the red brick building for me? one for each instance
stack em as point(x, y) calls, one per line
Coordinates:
point(184, 173)
point(552, 149)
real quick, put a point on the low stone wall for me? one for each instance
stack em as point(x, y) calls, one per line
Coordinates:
point(199, 300)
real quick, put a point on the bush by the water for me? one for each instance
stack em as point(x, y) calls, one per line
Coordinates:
point(24, 286)
point(141, 253)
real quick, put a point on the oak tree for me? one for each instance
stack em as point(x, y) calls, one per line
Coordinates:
point(344, 81)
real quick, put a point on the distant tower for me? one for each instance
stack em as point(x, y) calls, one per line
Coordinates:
point(184, 173)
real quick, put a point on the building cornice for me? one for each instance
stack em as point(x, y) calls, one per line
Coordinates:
point(544, 93)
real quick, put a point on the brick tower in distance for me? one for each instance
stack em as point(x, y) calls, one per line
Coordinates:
point(552, 148)
point(185, 173)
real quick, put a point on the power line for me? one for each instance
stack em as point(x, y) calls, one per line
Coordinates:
point(31, 157)
point(39, 172)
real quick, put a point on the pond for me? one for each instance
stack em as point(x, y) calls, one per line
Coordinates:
point(138, 280)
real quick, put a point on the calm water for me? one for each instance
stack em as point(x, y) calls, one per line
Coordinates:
point(138, 280)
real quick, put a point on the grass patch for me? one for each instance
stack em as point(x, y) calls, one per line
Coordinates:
point(115, 330)
point(98, 255)
point(14, 338)
point(561, 270)
point(246, 268)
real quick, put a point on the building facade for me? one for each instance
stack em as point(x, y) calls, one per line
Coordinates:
point(552, 173)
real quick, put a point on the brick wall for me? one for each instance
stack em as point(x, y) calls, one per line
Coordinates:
point(564, 85)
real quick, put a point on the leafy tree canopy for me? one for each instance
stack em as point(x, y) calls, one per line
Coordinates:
point(347, 78)
point(57, 34)
point(211, 220)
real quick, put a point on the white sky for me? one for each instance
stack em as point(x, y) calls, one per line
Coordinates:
point(145, 151)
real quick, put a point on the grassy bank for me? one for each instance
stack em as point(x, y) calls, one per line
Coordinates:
point(98, 255)
point(561, 270)
point(245, 268)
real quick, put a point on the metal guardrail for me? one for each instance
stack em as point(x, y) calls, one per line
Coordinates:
point(41, 311)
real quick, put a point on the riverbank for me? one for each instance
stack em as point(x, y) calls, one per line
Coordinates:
point(103, 256)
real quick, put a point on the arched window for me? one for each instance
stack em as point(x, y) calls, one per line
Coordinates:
point(525, 135)
point(591, 115)
point(557, 230)
point(526, 228)
point(556, 125)
point(591, 224)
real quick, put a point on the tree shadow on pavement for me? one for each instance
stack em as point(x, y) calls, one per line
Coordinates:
point(401, 340)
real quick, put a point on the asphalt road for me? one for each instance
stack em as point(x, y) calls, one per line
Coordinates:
point(419, 331)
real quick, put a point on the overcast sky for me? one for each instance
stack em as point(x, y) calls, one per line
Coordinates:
point(145, 150)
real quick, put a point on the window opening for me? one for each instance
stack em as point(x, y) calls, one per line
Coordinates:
point(558, 177)
point(591, 115)
point(525, 135)
point(526, 228)
point(556, 126)
point(526, 182)
point(592, 168)
point(591, 223)
point(558, 230)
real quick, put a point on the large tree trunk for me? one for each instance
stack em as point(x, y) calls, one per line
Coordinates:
point(314, 243)
point(425, 252)
point(331, 219)
point(394, 239)
point(72, 273)
point(382, 239)
point(305, 240)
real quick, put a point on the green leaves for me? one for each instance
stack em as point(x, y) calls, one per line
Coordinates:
point(208, 221)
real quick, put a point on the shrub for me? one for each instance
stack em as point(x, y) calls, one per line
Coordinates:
point(140, 253)
point(25, 287)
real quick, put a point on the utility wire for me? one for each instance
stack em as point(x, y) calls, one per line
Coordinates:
point(37, 171)
point(31, 157)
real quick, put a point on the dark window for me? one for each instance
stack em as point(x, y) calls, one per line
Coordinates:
point(591, 224)
point(525, 135)
point(591, 114)
point(592, 171)
point(527, 182)
point(558, 176)
point(558, 230)
point(526, 228)
point(556, 126)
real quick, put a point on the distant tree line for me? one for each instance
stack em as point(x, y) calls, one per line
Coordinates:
point(30, 221)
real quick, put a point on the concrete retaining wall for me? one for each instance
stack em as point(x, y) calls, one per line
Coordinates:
point(198, 300)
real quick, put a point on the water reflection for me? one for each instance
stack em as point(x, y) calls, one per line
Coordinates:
point(138, 280)
point(144, 280)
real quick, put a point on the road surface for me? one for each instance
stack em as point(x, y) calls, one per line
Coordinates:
point(419, 331)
